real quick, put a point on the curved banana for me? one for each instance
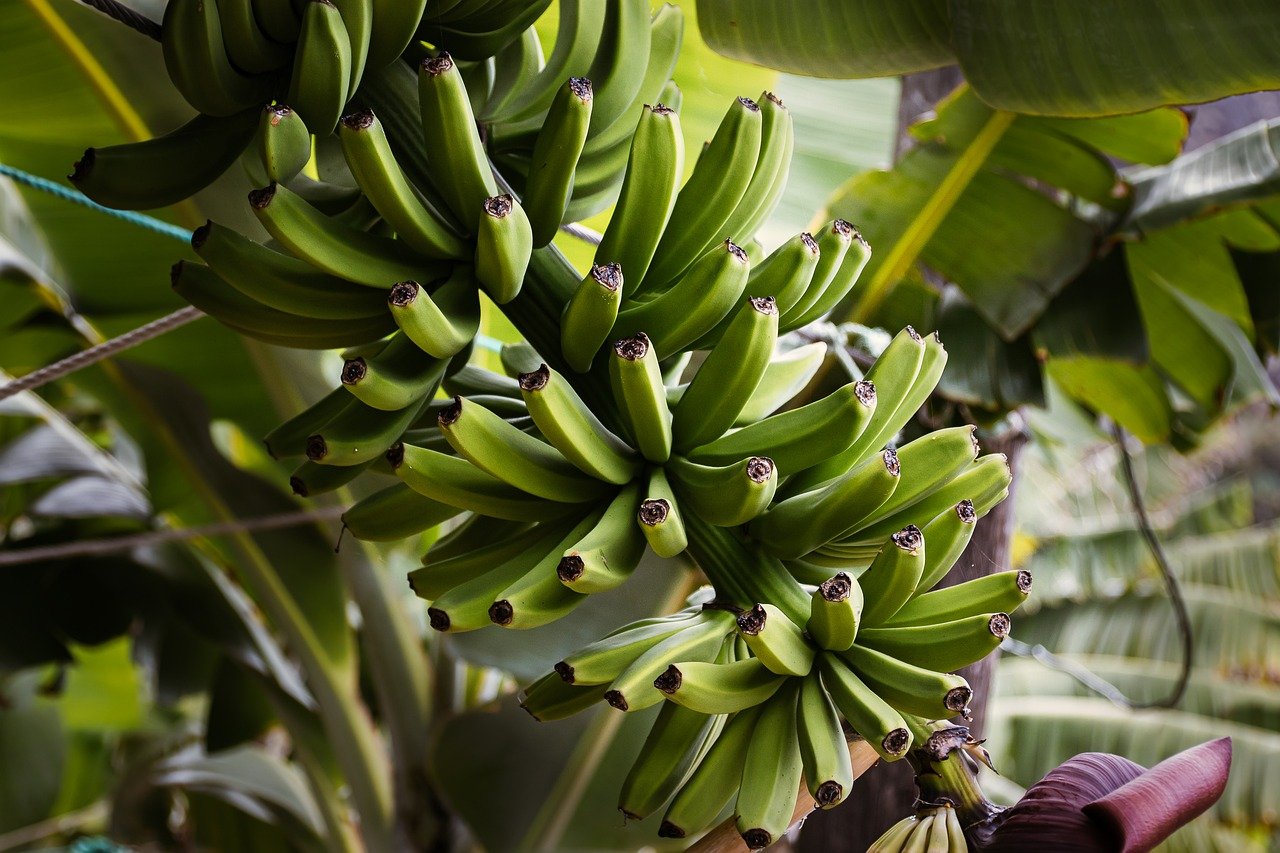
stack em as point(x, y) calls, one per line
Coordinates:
point(606, 557)
point(786, 375)
point(718, 688)
point(442, 571)
point(359, 433)
point(1003, 592)
point(603, 661)
point(394, 25)
point(393, 513)
point(633, 689)
point(775, 640)
point(449, 128)
point(290, 438)
point(771, 773)
point(637, 387)
point(828, 769)
point(946, 538)
point(941, 645)
point(443, 323)
point(323, 65)
point(770, 171)
point(590, 314)
point(851, 267)
point(727, 495)
point(396, 378)
point(570, 426)
point(455, 481)
point(549, 698)
point(835, 613)
point(195, 56)
point(984, 484)
point(677, 739)
point(833, 245)
point(537, 597)
point(549, 184)
point(891, 579)
point(659, 517)
point(910, 689)
point(786, 272)
point(504, 244)
point(715, 780)
point(281, 146)
point(870, 715)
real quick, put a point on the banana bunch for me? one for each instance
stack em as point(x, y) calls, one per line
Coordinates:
point(932, 829)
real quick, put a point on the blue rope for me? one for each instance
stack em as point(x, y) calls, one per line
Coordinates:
point(74, 196)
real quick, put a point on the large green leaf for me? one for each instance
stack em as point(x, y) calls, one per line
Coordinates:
point(1056, 57)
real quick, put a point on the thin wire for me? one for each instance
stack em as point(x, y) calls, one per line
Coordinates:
point(118, 544)
point(129, 17)
point(1079, 672)
point(106, 349)
point(1180, 613)
point(582, 232)
point(68, 194)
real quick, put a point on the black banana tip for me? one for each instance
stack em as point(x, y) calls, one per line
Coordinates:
point(1024, 581)
point(439, 619)
point(354, 370)
point(499, 206)
point(581, 88)
point(316, 448)
point(999, 625)
point(915, 336)
point(395, 454)
point(810, 243)
point(565, 672)
point(772, 98)
point(865, 392)
point(200, 236)
point(653, 511)
point(358, 120)
point(759, 469)
point(749, 104)
point(437, 65)
point(670, 681)
point(891, 463)
point(757, 839)
point(82, 167)
point(896, 741)
point(501, 612)
point(670, 830)
point(277, 113)
point(452, 412)
point(908, 538)
point(608, 275)
point(837, 588)
point(570, 568)
point(403, 294)
point(260, 198)
point(751, 622)
point(966, 511)
point(845, 229)
point(764, 304)
point(957, 700)
point(737, 251)
point(535, 380)
point(829, 793)
point(616, 700)
point(299, 487)
point(661, 110)
point(633, 348)
point(175, 273)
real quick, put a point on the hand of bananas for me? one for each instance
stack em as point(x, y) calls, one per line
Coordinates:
point(821, 540)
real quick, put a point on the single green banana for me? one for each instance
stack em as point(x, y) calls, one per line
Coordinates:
point(715, 780)
point(549, 184)
point(549, 698)
point(775, 640)
point(891, 579)
point(455, 481)
point(941, 645)
point(537, 597)
point(870, 715)
point(637, 387)
point(603, 661)
point(833, 245)
point(677, 739)
point(800, 524)
point(449, 129)
point(659, 517)
point(955, 841)
point(167, 169)
point(200, 286)
point(375, 168)
point(984, 484)
point(290, 438)
point(466, 607)
point(472, 381)
point(504, 244)
point(394, 25)
point(515, 457)
point(280, 281)
point(1002, 592)
point(440, 324)
point(633, 689)
point(516, 65)
point(836, 612)
point(718, 182)
point(589, 315)
point(310, 479)
point(359, 433)
point(618, 70)
point(394, 513)
point(654, 169)
point(357, 20)
point(280, 21)
point(786, 272)
point(248, 47)
point(335, 248)
point(771, 774)
point(323, 63)
point(572, 428)
point(576, 44)
point(195, 56)
point(851, 267)
point(828, 769)
point(726, 495)
point(281, 147)
point(908, 688)
point(769, 172)
point(396, 378)
point(946, 538)
point(702, 297)
point(718, 688)
point(928, 464)
point(728, 376)
point(802, 437)
point(441, 572)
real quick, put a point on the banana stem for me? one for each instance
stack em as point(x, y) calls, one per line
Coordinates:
point(945, 772)
point(741, 573)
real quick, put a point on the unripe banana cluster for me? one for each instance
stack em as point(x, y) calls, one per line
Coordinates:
point(935, 829)
point(822, 540)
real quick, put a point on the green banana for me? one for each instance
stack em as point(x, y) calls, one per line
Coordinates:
point(278, 20)
point(455, 481)
point(323, 63)
point(870, 715)
point(606, 557)
point(196, 58)
point(336, 248)
point(911, 689)
point(633, 689)
point(248, 48)
point(449, 128)
point(771, 774)
point(833, 245)
point(589, 315)
point(440, 324)
point(394, 513)
point(891, 579)
point(618, 69)
point(472, 381)
point(1002, 592)
point(637, 386)
point(659, 517)
point(167, 169)
point(570, 426)
point(441, 572)
point(718, 688)
point(549, 184)
point(699, 300)
point(984, 484)
point(359, 433)
point(786, 272)
point(514, 67)
point(851, 267)
point(828, 769)
point(577, 40)
point(836, 612)
point(718, 182)
point(396, 378)
point(802, 437)
point(946, 538)
point(538, 597)
point(603, 661)
point(769, 172)
point(728, 376)
point(373, 164)
point(654, 169)
point(281, 147)
point(800, 524)
point(714, 781)
point(504, 244)
point(310, 479)
point(941, 645)
point(357, 21)
point(394, 24)
point(290, 438)
point(280, 281)
point(502, 450)
point(677, 739)
point(549, 698)
point(727, 495)
point(775, 640)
